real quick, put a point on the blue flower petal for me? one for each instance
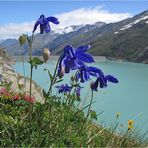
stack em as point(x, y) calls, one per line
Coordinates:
point(72, 64)
point(68, 51)
point(35, 26)
point(112, 79)
point(96, 72)
point(42, 28)
point(84, 76)
point(85, 57)
point(78, 91)
point(63, 88)
point(82, 48)
point(47, 28)
point(53, 20)
point(103, 82)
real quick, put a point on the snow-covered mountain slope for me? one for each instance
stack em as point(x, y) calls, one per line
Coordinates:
point(142, 18)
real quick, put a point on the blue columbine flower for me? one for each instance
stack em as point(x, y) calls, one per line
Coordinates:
point(102, 82)
point(63, 88)
point(74, 58)
point(44, 23)
point(85, 72)
point(78, 91)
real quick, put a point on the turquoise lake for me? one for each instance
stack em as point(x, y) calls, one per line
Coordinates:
point(129, 96)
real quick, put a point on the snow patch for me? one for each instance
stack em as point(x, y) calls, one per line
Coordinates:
point(64, 30)
point(133, 23)
point(68, 29)
point(116, 32)
point(126, 26)
point(143, 18)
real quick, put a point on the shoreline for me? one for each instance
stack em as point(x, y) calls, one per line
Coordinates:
point(97, 58)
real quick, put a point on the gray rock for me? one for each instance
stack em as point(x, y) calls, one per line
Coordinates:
point(19, 83)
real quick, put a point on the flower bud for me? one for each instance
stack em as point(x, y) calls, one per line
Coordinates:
point(62, 72)
point(46, 54)
point(94, 85)
point(22, 39)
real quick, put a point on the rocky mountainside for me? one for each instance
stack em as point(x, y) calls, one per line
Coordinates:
point(127, 39)
point(5, 58)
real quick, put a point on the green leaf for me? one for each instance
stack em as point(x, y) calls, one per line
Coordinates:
point(75, 85)
point(29, 40)
point(93, 115)
point(58, 81)
point(50, 75)
point(36, 61)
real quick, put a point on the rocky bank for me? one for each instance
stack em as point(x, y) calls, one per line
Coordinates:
point(19, 83)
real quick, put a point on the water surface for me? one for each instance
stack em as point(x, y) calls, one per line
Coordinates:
point(129, 97)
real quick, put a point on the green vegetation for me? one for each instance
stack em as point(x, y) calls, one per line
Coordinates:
point(56, 123)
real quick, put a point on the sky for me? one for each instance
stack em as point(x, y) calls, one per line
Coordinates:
point(18, 17)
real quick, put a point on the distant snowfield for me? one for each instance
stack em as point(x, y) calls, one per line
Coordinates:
point(132, 23)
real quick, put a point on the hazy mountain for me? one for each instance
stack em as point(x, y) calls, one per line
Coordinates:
point(1, 41)
point(13, 48)
point(40, 40)
point(127, 39)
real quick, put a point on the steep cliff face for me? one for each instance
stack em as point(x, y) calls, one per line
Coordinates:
point(5, 58)
point(8, 75)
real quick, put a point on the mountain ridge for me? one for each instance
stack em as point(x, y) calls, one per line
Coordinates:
point(126, 39)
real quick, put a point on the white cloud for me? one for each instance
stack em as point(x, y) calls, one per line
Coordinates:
point(89, 16)
point(13, 30)
point(75, 17)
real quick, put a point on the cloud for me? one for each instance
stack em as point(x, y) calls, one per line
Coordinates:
point(13, 30)
point(75, 17)
point(89, 16)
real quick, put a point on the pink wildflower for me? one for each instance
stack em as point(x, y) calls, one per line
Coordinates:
point(4, 91)
point(16, 97)
point(29, 99)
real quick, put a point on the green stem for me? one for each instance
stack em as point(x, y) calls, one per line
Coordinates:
point(23, 69)
point(31, 67)
point(23, 63)
point(31, 73)
point(54, 77)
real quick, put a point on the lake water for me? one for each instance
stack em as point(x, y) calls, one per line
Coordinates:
point(129, 96)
